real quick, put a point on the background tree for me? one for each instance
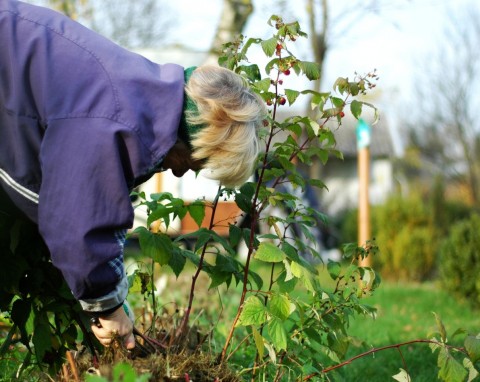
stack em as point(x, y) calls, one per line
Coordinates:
point(444, 134)
point(132, 24)
point(234, 16)
point(119, 20)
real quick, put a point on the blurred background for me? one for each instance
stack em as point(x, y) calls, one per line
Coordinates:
point(424, 164)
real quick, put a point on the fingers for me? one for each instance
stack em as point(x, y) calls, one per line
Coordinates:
point(118, 324)
point(129, 341)
point(105, 337)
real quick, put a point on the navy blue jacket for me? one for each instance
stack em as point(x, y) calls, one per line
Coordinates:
point(82, 121)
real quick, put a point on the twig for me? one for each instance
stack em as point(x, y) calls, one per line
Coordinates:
point(184, 322)
point(73, 366)
point(404, 363)
point(375, 350)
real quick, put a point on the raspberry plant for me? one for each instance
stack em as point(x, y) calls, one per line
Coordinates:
point(283, 329)
point(289, 325)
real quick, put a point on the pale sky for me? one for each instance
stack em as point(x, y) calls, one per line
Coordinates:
point(392, 42)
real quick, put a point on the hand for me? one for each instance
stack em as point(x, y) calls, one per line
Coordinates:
point(118, 323)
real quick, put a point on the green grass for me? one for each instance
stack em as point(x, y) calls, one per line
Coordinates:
point(405, 314)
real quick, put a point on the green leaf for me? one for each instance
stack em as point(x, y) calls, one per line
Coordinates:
point(42, 339)
point(286, 286)
point(441, 327)
point(340, 84)
point(140, 282)
point(156, 246)
point(244, 202)
point(126, 373)
point(259, 343)
point(234, 234)
point(159, 213)
point(263, 85)
point(402, 376)
point(257, 279)
point(334, 269)
point(292, 95)
point(271, 352)
point(278, 334)
point(253, 312)
point(297, 269)
point(450, 369)
point(472, 372)
point(251, 71)
point(269, 253)
point(197, 212)
point(279, 306)
point(356, 108)
point(269, 46)
point(311, 69)
point(177, 261)
point(472, 345)
point(20, 312)
point(218, 278)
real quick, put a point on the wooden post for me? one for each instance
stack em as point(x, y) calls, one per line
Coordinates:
point(363, 147)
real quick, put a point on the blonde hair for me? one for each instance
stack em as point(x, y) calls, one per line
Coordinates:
point(231, 114)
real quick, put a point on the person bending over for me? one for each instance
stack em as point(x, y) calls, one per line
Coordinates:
point(84, 121)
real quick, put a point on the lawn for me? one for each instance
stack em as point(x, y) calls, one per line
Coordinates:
point(404, 314)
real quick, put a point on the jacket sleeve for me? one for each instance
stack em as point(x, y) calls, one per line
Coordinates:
point(88, 165)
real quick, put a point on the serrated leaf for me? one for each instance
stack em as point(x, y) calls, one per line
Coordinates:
point(42, 339)
point(269, 253)
point(177, 261)
point(402, 376)
point(252, 72)
point(334, 269)
point(310, 69)
point(297, 269)
point(263, 85)
point(269, 46)
point(279, 306)
point(292, 95)
point(156, 246)
point(286, 286)
point(356, 108)
point(234, 234)
point(140, 282)
point(434, 346)
point(472, 372)
point(288, 271)
point(218, 278)
point(278, 334)
point(450, 369)
point(197, 212)
point(472, 345)
point(244, 202)
point(441, 327)
point(160, 213)
point(257, 279)
point(458, 332)
point(259, 343)
point(340, 84)
point(271, 352)
point(253, 312)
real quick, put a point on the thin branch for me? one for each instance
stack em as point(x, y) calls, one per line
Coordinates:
point(376, 350)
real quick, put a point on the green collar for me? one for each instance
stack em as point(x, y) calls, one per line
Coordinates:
point(187, 130)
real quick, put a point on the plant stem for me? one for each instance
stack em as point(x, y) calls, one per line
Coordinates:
point(186, 317)
point(255, 213)
point(376, 350)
